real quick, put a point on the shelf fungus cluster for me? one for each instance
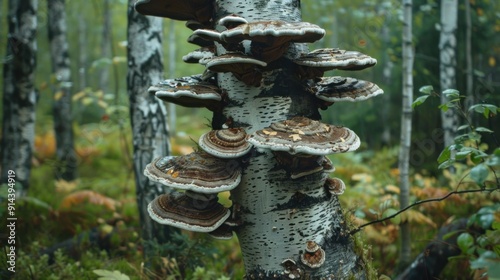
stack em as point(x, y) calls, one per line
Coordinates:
point(268, 147)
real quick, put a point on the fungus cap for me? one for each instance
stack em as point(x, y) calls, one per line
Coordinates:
point(274, 32)
point(339, 89)
point(182, 211)
point(306, 136)
point(198, 172)
point(314, 256)
point(231, 21)
point(335, 186)
point(225, 143)
point(223, 232)
point(189, 91)
point(299, 165)
point(200, 55)
point(243, 67)
point(330, 59)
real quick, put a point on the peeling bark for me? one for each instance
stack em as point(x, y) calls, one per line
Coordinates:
point(147, 113)
point(66, 168)
point(20, 95)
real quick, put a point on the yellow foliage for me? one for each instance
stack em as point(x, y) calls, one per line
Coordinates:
point(88, 196)
point(362, 177)
point(45, 145)
point(63, 186)
point(414, 216)
point(58, 95)
point(392, 189)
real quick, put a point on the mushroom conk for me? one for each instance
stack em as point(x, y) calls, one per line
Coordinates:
point(225, 143)
point(223, 232)
point(299, 165)
point(198, 172)
point(201, 55)
point(329, 59)
point(314, 256)
point(232, 21)
point(244, 68)
point(339, 89)
point(198, 10)
point(199, 41)
point(189, 91)
point(182, 211)
point(303, 135)
point(335, 186)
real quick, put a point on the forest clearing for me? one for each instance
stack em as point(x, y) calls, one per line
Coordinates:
point(277, 139)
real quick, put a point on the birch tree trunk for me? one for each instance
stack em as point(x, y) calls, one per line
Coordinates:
point(82, 49)
point(105, 46)
point(149, 124)
point(172, 53)
point(447, 47)
point(468, 57)
point(66, 157)
point(406, 123)
point(281, 214)
point(20, 95)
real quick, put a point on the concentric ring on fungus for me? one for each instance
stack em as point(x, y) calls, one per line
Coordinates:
point(225, 143)
point(303, 135)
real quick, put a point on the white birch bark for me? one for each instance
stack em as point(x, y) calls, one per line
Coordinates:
point(148, 114)
point(406, 123)
point(468, 56)
point(447, 55)
point(279, 214)
point(66, 168)
point(105, 46)
point(19, 93)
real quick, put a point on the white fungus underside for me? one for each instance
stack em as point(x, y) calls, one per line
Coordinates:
point(186, 93)
point(348, 99)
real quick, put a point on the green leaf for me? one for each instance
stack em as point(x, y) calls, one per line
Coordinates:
point(474, 136)
point(465, 241)
point(444, 156)
point(483, 129)
point(446, 164)
point(426, 89)
point(110, 275)
point(419, 101)
point(444, 107)
point(490, 261)
point(451, 93)
point(462, 127)
point(479, 173)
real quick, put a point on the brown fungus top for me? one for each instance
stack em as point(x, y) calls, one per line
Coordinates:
point(182, 211)
point(198, 10)
point(301, 135)
point(339, 89)
point(189, 91)
point(329, 59)
point(314, 256)
point(225, 143)
point(335, 186)
point(198, 172)
point(201, 55)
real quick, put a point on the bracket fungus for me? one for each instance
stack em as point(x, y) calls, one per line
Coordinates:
point(301, 135)
point(189, 92)
point(314, 256)
point(198, 172)
point(185, 212)
point(267, 145)
point(225, 143)
point(338, 89)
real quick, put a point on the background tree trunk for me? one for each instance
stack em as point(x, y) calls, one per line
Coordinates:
point(63, 125)
point(149, 124)
point(406, 123)
point(83, 54)
point(105, 46)
point(469, 81)
point(20, 95)
point(172, 54)
point(448, 62)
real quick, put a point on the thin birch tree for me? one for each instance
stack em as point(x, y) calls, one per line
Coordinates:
point(448, 62)
point(66, 168)
point(148, 114)
point(19, 93)
point(406, 123)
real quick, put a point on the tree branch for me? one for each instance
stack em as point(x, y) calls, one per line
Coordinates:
point(356, 230)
